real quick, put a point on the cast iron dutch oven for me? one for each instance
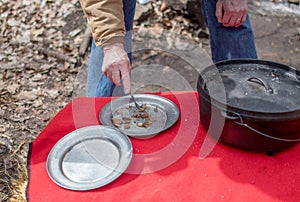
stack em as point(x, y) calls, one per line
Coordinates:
point(259, 101)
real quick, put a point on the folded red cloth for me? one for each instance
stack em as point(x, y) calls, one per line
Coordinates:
point(167, 167)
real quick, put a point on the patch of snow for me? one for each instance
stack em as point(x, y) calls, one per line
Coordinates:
point(281, 8)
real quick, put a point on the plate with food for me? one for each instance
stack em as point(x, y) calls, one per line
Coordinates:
point(155, 115)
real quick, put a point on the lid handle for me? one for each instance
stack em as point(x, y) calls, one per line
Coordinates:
point(262, 83)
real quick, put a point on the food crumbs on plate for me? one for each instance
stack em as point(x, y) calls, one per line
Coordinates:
point(143, 108)
point(140, 117)
point(145, 115)
point(126, 120)
point(126, 126)
point(147, 124)
point(140, 124)
point(117, 125)
point(116, 120)
point(136, 115)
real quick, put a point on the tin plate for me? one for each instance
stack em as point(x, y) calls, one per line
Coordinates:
point(89, 158)
point(163, 114)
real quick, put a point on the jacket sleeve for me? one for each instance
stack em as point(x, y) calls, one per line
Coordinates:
point(106, 20)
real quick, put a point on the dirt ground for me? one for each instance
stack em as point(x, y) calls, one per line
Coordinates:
point(36, 81)
point(277, 35)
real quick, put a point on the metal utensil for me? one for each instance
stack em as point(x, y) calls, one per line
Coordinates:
point(132, 99)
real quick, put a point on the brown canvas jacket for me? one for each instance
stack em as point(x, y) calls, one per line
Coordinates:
point(106, 20)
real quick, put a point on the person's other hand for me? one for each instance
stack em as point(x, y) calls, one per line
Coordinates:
point(231, 13)
point(116, 65)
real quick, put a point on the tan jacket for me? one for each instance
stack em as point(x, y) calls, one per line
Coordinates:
point(106, 20)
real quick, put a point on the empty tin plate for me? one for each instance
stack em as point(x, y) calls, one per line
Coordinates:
point(158, 115)
point(89, 158)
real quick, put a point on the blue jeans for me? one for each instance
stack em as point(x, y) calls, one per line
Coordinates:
point(226, 43)
point(98, 85)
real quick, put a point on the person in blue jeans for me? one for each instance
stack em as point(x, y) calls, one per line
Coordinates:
point(111, 22)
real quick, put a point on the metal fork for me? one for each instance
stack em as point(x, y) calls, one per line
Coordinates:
point(135, 103)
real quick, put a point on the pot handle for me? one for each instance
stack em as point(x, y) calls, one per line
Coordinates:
point(230, 115)
point(262, 83)
point(234, 116)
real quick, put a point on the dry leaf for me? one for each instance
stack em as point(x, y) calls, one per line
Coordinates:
point(75, 32)
point(53, 93)
point(12, 88)
point(27, 95)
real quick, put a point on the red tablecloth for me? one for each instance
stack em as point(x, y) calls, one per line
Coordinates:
point(167, 167)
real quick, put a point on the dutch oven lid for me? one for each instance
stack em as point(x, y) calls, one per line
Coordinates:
point(253, 85)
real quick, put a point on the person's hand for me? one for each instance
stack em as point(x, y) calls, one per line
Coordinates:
point(231, 13)
point(116, 65)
